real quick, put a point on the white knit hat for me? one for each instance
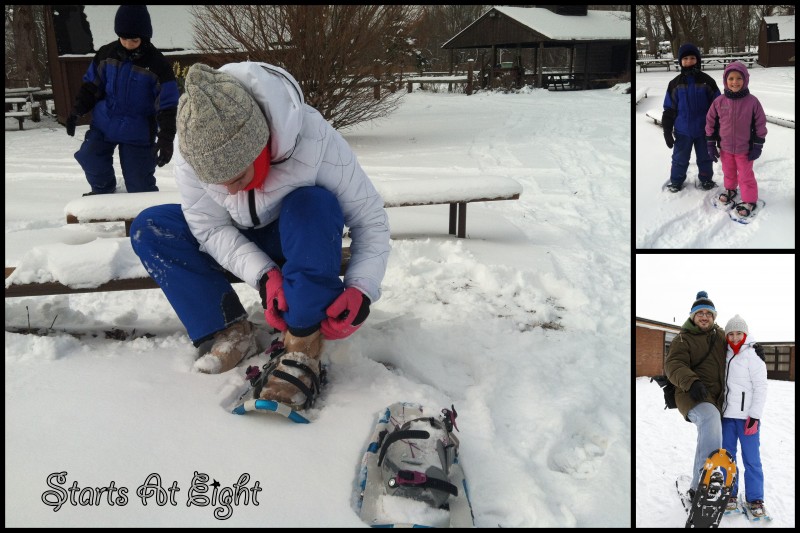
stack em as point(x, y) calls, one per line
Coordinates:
point(221, 129)
point(736, 323)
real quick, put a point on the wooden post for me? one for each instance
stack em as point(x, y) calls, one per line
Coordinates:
point(470, 65)
point(35, 116)
point(377, 88)
point(453, 212)
point(410, 86)
point(539, 64)
point(462, 220)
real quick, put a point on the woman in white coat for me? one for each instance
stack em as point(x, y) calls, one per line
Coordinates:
point(267, 186)
point(745, 396)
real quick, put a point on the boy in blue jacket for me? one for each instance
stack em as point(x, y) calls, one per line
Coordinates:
point(133, 95)
point(686, 104)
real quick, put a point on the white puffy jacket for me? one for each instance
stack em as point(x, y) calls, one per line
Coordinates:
point(306, 151)
point(746, 383)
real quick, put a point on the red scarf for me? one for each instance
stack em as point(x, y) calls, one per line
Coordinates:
point(260, 170)
point(736, 347)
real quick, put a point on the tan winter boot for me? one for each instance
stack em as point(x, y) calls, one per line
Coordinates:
point(231, 347)
point(303, 351)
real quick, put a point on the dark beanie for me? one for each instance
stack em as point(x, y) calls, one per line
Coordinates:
point(689, 49)
point(702, 302)
point(132, 22)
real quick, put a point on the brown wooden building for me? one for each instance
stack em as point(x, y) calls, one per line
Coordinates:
point(652, 345)
point(600, 42)
point(776, 42)
point(73, 39)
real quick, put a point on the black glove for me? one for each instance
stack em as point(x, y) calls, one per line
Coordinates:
point(668, 123)
point(759, 351)
point(72, 121)
point(698, 391)
point(163, 151)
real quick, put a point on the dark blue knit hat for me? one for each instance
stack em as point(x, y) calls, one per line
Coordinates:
point(132, 22)
point(702, 302)
point(689, 49)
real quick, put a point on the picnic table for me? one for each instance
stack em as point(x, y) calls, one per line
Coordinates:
point(725, 60)
point(645, 64)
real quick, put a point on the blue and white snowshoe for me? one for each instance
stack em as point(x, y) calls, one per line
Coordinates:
point(248, 400)
point(410, 474)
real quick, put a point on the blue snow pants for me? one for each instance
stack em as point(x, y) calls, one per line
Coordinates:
point(96, 158)
point(706, 417)
point(306, 241)
point(732, 434)
point(681, 153)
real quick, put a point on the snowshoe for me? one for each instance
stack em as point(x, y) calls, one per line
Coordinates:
point(669, 186)
point(410, 474)
point(733, 506)
point(755, 510)
point(723, 199)
point(713, 491)
point(249, 400)
point(706, 185)
point(746, 212)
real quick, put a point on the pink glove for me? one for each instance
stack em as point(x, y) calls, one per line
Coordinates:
point(345, 315)
point(751, 426)
point(273, 300)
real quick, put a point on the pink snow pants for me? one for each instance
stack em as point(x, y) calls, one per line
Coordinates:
point(738, 171)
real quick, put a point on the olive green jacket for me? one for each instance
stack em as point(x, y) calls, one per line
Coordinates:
point(688, 348)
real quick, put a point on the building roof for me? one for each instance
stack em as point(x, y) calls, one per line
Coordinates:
point(527, 25)
point(595, 25)
point(785, 26)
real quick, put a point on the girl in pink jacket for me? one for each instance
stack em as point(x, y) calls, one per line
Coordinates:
point(736, 122)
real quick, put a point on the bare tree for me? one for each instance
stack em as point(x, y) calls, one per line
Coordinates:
point(25, 53)
point(338, 53)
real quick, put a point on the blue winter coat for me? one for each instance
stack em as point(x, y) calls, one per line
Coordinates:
point(132, 95)
point(689, 95)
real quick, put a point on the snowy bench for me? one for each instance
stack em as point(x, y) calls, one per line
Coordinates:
point(654, 115)
point(456, 192)
point(109, 264)
point(102, 265)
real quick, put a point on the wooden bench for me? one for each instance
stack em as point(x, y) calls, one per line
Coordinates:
point(655, 116)
point(455, 192)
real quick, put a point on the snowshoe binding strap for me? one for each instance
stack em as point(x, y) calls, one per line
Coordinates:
point(310, 393)
point(745, 209)
point(727, 197)
point(418, 479)
point(398, 435)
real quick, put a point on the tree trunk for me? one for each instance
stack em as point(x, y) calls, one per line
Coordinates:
point(25, 44)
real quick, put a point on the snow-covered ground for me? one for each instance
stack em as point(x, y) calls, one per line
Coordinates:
point(665, 446)
point(524, 326)
point(685, 219)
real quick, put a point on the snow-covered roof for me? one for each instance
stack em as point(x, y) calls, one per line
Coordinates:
point(785, 26)
point(594, 25)
point(172, 25)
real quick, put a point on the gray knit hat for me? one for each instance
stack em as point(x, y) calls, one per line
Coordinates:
point(221, 129)
point(736, 323)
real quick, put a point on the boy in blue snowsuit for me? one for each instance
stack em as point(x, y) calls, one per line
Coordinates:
point(133, 96)
point(689, 96)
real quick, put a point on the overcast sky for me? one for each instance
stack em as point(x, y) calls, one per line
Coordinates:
point(759, 288)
